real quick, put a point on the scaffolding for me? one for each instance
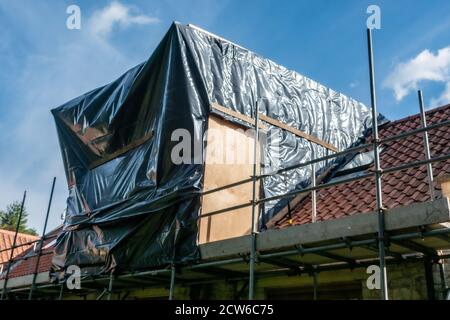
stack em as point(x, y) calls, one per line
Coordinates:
point(169, 276)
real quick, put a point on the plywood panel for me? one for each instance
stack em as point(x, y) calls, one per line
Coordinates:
point(229, 158)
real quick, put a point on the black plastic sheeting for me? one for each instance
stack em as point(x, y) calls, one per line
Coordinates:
point(129, 206)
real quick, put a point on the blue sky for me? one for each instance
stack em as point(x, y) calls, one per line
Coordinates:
point(43, 64)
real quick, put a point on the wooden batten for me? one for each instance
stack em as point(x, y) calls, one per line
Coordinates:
point(237, 115)
point(121, 151)
point(275, 123)
point(297, 132)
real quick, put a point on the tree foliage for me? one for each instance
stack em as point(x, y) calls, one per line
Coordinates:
point(10, 216)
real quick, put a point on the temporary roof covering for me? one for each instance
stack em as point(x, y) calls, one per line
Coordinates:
point(129, 206)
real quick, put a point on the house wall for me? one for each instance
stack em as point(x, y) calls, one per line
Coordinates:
point(405, 281)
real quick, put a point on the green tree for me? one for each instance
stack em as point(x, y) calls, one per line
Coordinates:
point(9, 218)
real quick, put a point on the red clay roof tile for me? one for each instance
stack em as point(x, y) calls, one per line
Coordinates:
point(25, 263)
point(6, 242)
point(399, 188)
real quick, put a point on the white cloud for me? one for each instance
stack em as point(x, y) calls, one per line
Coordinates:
point(426, 66)
point(102, 21)
point(53, 69)
point(45, 65)
point(354, 84)
point(444, 98)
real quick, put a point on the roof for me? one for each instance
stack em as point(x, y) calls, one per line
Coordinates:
point(6, 241)
point(25, 263)
point(28, 265)
point(399, 188)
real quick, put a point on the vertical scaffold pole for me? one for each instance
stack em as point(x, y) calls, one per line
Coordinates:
point(41, 242)
point(61, 291)
point(251, 284)
point(315, 285)
point(313, 193)
point(172, 282)
point(110, 286)
point(378, 188)
point(426, 145)
point(444, 286)
point(173, 270)
point(11, 255)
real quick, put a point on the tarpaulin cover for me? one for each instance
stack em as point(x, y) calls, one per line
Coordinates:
point(129, 206)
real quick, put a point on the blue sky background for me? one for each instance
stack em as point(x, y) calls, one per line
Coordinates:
point(43, 64)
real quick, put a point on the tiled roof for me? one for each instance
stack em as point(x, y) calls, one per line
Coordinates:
point(399, 188)
point(28, 265)
point(25, 263)
point(6, 241)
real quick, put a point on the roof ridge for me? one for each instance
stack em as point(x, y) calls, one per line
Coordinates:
point(416, 115)
point(19, 233)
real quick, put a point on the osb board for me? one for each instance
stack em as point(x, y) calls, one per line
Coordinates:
point(229, 158)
